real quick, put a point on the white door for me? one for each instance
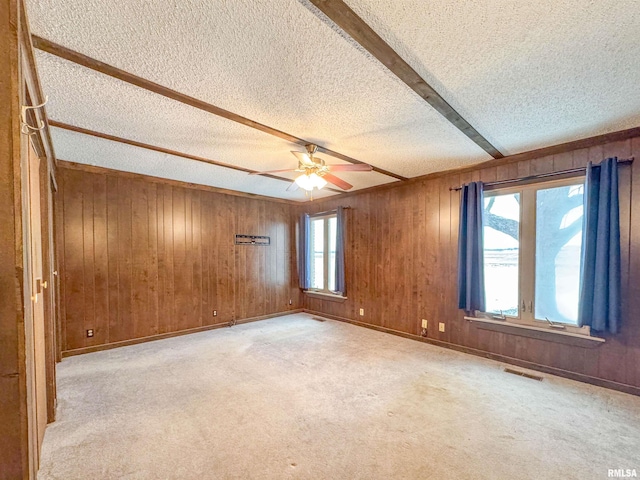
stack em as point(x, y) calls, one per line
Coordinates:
point(34, 323)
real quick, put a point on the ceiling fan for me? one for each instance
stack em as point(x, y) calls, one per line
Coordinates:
point(315, 173)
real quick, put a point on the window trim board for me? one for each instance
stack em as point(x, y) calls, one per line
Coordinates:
point(541, 333)
point(325, 217)
point(332, 297)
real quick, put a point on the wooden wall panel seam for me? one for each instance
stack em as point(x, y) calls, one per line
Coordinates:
point(401, 261)
point(166, 245)
point(431, 272)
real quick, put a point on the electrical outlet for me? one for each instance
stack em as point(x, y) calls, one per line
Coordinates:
point(441, 327)
point(215, 313)
point(90, 332)
point(362, 312)
point(424, 323)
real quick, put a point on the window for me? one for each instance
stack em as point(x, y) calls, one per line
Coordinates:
point(532, 252)
point(323, 253)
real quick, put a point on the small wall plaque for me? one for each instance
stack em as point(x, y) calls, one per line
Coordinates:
point(252, 240)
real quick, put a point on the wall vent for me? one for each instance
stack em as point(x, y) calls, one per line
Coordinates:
point(523, 374)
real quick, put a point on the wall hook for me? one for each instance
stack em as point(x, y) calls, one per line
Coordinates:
point(25, 128)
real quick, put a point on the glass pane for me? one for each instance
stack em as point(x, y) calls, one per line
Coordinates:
point(501, 218)
point(317, 254)
point(558, 244)
point(331, 273)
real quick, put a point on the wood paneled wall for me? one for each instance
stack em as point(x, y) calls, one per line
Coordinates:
point(27, 374)
point(14, 441)
point(49, 265)
point(401, 262)
point(141, 257)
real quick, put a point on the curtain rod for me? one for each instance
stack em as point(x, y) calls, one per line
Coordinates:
point(319, 214)
point(542, 175)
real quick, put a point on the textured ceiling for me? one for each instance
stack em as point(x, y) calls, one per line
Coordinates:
point(107, 105)
point(104, 153)
point(524, 74)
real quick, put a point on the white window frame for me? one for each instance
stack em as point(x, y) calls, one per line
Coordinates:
point(325, 217)
point(527, 256)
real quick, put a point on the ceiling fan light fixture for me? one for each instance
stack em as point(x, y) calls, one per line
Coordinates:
point(310, 181)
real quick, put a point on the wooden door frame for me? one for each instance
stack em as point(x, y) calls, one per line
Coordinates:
point(43, 147)
point(14, 456)
point(17, 76)
point(50, 287)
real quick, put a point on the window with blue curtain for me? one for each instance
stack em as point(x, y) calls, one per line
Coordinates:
point(600, 295)
point(321, 262)
point(470, 249)
point(532, 252)
point(545, 254)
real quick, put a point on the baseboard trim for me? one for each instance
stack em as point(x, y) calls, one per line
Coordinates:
point(161, 336)
point(621, 387)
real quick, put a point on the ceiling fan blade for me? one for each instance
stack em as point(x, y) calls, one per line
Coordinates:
point(337, 181)
point(358, 167)
point(304, 158)
point(293, 187)
point(273, 171)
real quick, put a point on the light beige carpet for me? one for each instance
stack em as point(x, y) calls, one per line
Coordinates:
point(293, 397)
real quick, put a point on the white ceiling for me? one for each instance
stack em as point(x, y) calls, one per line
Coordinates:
point(143, 116)
point(524, 74)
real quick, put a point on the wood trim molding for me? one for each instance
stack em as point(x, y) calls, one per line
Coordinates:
point(532, 154)
point(161, 336)
point(325, 296)
point(622, 387)
point(177, 183)
point(42, 138)
point(14, 426)
point(345, 18)
point(106, 69)
point(497, 162)
point(554, 149)
point(530, 331)
point(134, 143)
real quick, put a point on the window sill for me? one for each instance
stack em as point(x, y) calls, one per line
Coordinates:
point(325, 296)
point(540, 333)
